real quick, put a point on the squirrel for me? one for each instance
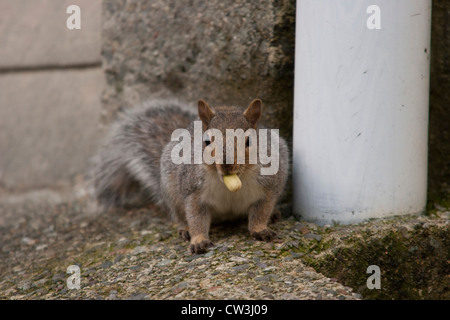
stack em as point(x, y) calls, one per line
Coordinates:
point(135, 166)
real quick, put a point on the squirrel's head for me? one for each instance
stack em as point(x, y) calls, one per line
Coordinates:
point(234, 118)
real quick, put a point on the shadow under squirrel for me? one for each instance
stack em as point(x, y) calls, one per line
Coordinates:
point(135, 166)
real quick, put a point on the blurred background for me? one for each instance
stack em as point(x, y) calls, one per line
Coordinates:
point(60, 88)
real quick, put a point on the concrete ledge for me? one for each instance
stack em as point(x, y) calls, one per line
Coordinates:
point(48, 125)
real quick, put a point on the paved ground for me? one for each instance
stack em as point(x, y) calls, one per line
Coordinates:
point(136, 254)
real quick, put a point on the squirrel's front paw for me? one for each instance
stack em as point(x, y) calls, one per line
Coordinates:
point(184, 234)
point(201, 246)
point(264, 235)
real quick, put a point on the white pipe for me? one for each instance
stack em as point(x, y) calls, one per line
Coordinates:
point(361, 109)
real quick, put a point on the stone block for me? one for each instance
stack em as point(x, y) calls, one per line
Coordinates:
point(224, 51)
point(49, 126)
point(34, 34)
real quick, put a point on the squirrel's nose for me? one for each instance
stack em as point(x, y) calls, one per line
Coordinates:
point(228, 168)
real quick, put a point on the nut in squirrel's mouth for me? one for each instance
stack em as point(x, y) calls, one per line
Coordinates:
point(232, 182)
point(222, 174)
point(230, 178)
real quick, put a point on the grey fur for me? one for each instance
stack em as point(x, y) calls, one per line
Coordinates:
point(135, 167)
point(126, 170)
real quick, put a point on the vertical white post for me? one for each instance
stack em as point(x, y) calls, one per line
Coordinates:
point(361, 109)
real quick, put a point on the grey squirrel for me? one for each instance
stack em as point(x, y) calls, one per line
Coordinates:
point(135, 165)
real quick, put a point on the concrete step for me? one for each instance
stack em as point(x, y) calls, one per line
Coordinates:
point(49, 125)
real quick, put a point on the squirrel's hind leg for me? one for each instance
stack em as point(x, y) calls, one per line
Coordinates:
point(183, 228)
point(184, 234)
point(260, 215)
point(178, 216)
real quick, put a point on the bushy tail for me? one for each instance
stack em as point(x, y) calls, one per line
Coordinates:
point(126, 171)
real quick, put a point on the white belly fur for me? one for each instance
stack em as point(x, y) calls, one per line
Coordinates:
point(226, 205)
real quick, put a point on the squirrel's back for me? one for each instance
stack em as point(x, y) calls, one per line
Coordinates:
point(127, 169)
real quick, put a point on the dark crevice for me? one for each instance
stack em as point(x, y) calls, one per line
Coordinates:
point(50, 67)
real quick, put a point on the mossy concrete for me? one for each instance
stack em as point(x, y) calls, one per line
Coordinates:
point(411, 252)
point(138, 254)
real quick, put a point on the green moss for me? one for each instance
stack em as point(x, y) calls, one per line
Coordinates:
point(439, 198)
point(118, 85)
point(413, 265)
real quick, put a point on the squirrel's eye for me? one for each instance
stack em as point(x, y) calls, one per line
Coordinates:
point(247, 142)
point(207, 141)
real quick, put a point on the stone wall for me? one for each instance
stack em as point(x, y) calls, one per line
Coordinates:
point(439, 146)
point(224, 51)
point(50, 84)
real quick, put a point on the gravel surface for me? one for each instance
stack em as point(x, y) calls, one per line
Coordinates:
point(137, 254)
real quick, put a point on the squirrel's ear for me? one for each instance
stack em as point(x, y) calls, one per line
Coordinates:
point(253, 112)
point(204, 112)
